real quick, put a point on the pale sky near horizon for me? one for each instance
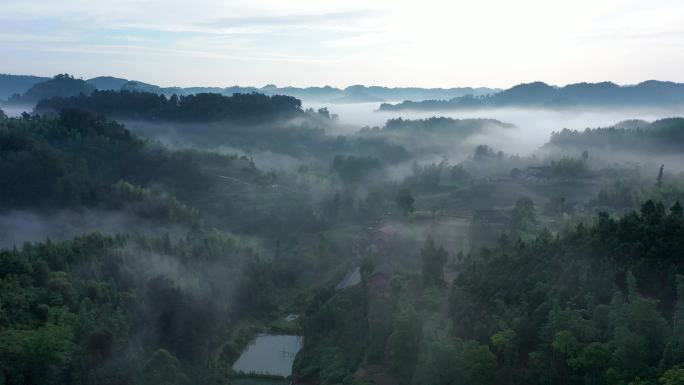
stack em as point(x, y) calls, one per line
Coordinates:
point(428, 43)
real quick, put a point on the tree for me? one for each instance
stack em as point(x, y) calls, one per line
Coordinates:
point(523, 217)
point(505, 343)
point(659, 180)
point(404, 340)
point(164, 369)
point(37, 356)
point(434, 258)
point(476, 366)
point(674, 376)
point(436, 363)
point(405, 200)
point(324, 113)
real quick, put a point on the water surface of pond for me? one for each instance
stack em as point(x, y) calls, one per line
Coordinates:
point(271, 354)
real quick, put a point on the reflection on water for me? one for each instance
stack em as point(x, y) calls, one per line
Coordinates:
point(270, 354)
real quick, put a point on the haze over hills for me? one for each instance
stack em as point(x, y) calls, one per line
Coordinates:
point(541, 95)
point(220, 216)
point(28, 90)
point(17, 84)
point(260, 192)
point(62, 85)
point(20, 84)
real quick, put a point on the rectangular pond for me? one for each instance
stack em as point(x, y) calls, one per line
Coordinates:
point(269, 354)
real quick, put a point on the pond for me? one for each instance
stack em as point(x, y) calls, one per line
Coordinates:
point(269, 354)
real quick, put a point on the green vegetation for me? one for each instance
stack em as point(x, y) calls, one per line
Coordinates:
point(412, 253)
point(204, 107)
point(76, 311)
point(661, 135)
point(594, 305)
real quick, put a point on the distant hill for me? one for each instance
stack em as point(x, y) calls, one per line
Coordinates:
point(310, 93)
point(17, 84)
point(415, 93)
point(132, 85)
point(661, 136)
point(203, 107)
point(434, 136)
point(651, 93)
point(357, 94)
point(59, 86)
point(107, 83)
point(327, 94)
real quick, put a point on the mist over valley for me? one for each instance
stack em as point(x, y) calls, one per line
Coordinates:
point(341, 193)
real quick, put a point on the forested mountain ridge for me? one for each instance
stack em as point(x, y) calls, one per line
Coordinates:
point(650, 93)
point(188, 109)
point(16, 84)
point(62, 85)
point(104, 83)
point(83, 160)
point(663, 135)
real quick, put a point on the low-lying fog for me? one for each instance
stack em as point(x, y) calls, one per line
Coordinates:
point(17, 227)
point(534, 125)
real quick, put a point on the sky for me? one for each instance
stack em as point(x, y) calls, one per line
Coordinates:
point(427, 43)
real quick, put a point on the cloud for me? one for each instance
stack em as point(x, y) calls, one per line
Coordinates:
point(342, 20)
point(395, 42)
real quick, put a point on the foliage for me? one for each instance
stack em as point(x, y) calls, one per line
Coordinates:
point(661, 135)
point(93, 309)
point(589, 307)
point(434, 258)
point(203, 107)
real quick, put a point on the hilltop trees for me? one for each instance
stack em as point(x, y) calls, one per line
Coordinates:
point(203, 107)
point(62, 85)
point(661, 135)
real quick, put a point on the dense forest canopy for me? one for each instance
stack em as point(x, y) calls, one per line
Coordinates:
point(192, 108)
point(592, 305)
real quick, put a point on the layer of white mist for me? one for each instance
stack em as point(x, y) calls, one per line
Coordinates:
point(19, 226)
point(534, 126)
